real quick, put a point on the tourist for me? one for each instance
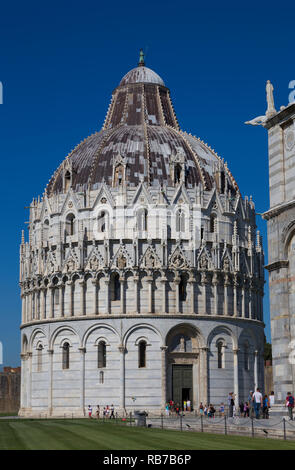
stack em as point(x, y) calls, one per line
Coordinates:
point(251, 404)
point(257, 399)
point(112, 409)
point(290, 405)
point(211, 411)
point(188, 405)
point(231, 404)
point(246, 409)
point(265, 407)
point(97, 411)
point(241, 406)
point(184, 406)
point(205, 410)
point(221, 410)
point(167, 409)
point(89, 411)
point(271, 399)
point(201, 409)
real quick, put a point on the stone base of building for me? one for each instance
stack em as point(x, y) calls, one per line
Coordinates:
point(278, 410)
point(80, 413)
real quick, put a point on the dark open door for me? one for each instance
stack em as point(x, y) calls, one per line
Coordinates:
point(182, 383)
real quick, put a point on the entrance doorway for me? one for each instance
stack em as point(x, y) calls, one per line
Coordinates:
point(182, 383)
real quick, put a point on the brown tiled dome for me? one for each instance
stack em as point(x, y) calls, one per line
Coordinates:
point(141, 127)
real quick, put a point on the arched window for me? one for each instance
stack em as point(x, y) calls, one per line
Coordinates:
point(142, 354)
point(39, 358)
point(101, 355)
point(182, 289)
point(102, 222)
point(220, 355)
point(25, 345)
point(142, 215)
point(67, 180)
point(222, 182)
point(66, 356)
point(177, 173)
point(118, 175)
point(45, 230)
point(246, 356)
point(180, 221)
point(115, 287)
point(212, 223)
point(70, 224)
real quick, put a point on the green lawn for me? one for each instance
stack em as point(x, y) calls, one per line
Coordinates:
point(84, 434)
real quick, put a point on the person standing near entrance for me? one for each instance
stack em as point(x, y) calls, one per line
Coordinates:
point(188, 405)
point(290, 405)
point(231, 404)
point(257, 399)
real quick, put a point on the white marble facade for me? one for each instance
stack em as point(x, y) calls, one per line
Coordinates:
point(152, 249)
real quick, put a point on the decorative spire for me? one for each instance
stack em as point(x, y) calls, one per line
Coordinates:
point(141, 59)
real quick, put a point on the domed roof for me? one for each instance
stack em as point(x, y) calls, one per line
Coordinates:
point(141, 131)
point(142, 74)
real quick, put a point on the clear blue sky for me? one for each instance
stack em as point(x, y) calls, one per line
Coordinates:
point(60, 61)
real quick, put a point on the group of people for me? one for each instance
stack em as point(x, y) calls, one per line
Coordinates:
point(107, 412)
point(255, 404)
point(172, 407)
point(209, 410)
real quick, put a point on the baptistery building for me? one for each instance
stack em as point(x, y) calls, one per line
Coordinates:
point(142, 273)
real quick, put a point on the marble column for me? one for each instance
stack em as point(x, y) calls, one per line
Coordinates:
point(236, 376)
point(70, 295)
point(136, 281)
point(42, 302)
point(29, 380)
point(61, 301)
point(164, 375)
point(256, 357)
point(50, 380)
point(204, 291)
point(23, 297)
point(82, 296)
point(30, 306)
point(204, 374)
point(191, 282)
point(176, 290)
point(163, 281)
point(95, 284)
point(226, 304)
point(122, 294)
point(122, 376)
point(235, 299)
point(243, 300)
point(107, 295)
point(149, 281)
point(23, 401)
point(215, 292)
point(82, 380)
point(51, 301)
